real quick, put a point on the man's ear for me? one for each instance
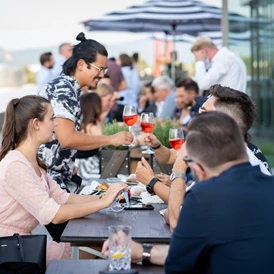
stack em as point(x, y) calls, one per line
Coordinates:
point(81, 64)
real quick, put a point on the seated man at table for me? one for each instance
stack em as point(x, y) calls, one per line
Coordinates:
point(226, 224)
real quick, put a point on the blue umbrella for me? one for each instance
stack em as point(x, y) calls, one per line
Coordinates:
point(169, 16)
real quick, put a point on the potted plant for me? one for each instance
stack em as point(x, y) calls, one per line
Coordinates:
point(114, 160)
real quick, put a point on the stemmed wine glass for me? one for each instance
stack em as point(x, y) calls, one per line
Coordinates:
point(176, 138)
point(130, 118)
point(147, 125)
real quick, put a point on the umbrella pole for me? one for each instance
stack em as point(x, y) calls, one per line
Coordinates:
point(173, 53)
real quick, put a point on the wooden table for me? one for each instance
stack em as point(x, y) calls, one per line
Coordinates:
point(147, 226)
point(93, 266)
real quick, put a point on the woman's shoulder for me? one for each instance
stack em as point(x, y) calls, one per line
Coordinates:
point(13, 158)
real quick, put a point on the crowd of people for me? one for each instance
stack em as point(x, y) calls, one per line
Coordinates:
point(219, 194)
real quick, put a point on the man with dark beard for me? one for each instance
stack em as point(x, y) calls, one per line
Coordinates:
point(226, 223)
point(186, 106)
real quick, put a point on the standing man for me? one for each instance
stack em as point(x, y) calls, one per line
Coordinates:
point(44, 75)
point(65, 52)
point(226, 68)
point(85, 67)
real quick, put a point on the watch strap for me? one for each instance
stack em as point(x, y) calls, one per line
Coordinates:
point(175, 175)
point(151, 184)
point(146, 254)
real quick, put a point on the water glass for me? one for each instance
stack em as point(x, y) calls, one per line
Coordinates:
point(119, 247)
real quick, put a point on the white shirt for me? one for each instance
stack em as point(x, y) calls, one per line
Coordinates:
point(227, 69)
point(59, 60)
point(43, 76)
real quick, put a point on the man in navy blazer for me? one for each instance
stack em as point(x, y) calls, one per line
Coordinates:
point(226, 222)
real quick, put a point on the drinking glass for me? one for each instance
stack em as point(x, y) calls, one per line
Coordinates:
point(130, 118)
point(176, 138)
point(147, 125)
point(119, 247)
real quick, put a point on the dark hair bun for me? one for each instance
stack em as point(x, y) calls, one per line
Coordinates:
point(81, 37)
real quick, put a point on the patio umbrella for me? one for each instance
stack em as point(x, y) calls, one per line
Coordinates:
point(169, 16)
point(235, 39)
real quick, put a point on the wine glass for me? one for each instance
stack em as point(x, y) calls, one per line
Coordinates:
point(176, 138)
point(147, 125)
point(130, 118)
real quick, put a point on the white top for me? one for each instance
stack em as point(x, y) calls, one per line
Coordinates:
point(59, 60)
point(227, 69)
point(43, 76)
point(130, 94)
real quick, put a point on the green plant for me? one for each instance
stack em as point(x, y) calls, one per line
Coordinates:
point(112, 128)
point(162, 131)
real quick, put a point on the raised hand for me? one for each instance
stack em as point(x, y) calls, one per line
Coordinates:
point(144, 172)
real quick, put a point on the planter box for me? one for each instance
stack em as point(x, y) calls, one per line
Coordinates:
point(113, 162)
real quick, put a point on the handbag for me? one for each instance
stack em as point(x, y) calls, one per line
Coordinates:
point(23, 254)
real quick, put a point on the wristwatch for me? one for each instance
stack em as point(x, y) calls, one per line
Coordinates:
point(175, 175)
point(146, 254)
point(151, 184)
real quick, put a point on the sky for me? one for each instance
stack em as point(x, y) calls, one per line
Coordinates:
point(29, 24)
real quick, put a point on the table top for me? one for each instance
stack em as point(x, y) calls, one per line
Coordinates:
point(94, 266)
point(147, 226)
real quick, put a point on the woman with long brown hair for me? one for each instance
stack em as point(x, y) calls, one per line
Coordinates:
point(29, 196)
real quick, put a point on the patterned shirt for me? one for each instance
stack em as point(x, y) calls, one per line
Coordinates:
point(64, 95)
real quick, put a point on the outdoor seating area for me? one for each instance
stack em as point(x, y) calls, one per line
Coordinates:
point(137, 154)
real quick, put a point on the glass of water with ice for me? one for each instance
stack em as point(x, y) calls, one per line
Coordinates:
point(119, 247)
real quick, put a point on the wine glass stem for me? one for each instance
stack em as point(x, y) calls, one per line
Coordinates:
point(129, 128)
point(149, 147)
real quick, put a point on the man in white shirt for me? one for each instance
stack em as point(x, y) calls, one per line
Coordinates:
point(226, 68)
point(164, 96)
point(44, 75)
point(65, 52)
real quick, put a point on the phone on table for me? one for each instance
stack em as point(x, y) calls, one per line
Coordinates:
point(139, 207)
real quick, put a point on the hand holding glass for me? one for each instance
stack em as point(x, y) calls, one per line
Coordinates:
point(147, 125)
point(176, 138)
point(130, 118)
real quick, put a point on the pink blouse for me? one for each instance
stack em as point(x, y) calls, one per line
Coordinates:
point(27, 199)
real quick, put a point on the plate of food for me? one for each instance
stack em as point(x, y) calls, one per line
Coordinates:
point(99, 187)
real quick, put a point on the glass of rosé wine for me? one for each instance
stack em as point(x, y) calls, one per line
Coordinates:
point(176, 138)
point(147, 125)
point(130, 118)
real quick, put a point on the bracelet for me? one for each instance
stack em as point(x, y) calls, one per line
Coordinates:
point(146, 254)
point(157, 146)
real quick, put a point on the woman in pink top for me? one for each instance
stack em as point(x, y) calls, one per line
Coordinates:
point(28, 194)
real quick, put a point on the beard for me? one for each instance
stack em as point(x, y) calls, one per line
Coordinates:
point(194, 175)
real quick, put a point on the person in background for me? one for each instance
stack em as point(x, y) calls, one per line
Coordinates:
point(132, 79)
point(147, 100)
point(186, 106)
point(108, 99)
point(135, 60)
point(29, 196)
point(44, 75)
point(225, 224)
point(226, 68)
point(84, 68)
point(116, 76)
point(65, 52)
point(164, 96)
point(87, 161)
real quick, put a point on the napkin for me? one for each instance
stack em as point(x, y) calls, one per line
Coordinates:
point(148, 199)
